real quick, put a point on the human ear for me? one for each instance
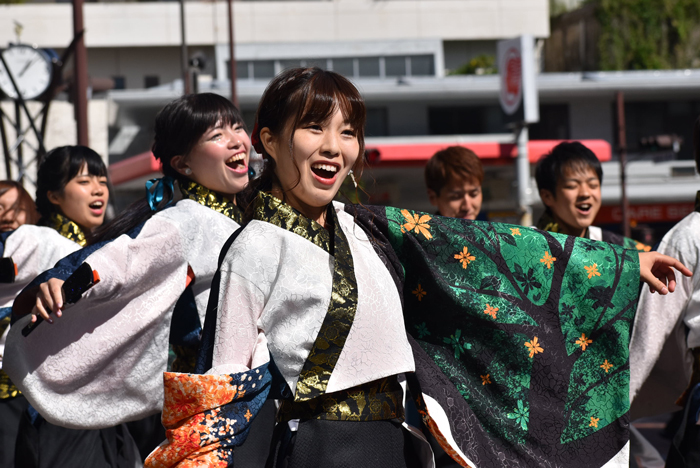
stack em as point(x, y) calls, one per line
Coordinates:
point(53, 197)
point(433, 197)
point(179, 163)
point(269, 142)
point(547, 197)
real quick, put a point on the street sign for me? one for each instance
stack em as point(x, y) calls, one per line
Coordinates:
point(516, 67)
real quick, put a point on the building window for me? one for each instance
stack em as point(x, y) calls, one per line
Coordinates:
point(395, 66)
point(317, 62)
point(344, 66)
point(263, 69)
point(368, 66)
point(422, 65)
point(284, 64)
point(377, 124)
point(553, 124)
point(151, 81)
point(119, 82)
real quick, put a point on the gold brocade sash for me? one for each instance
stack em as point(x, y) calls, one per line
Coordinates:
point(324, 354)
point(67, 229)
point(210, 199)
point(373, 401)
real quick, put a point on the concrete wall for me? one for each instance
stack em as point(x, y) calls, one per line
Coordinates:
point(135, 63)
point(145, 24)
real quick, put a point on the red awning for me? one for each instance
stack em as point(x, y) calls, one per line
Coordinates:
point(134, 167)
point(397, 154)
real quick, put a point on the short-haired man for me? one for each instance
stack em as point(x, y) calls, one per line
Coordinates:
point(454, 177)
point(568, 180)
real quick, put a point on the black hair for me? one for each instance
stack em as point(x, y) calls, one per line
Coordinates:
point(178, 128)
point(572, 156)
point(299, 96)
point(57, 168)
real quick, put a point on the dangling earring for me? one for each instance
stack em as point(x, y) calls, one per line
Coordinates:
point(188, 171)
point(352, 176)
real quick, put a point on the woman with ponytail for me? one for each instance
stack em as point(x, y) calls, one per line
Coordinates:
point(114, 308)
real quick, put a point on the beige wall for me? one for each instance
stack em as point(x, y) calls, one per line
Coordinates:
point(157, 24)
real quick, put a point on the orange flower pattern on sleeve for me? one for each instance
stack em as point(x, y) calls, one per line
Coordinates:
point(464, 257)
point(417, 223)
point(548, 259)
point(592, 270)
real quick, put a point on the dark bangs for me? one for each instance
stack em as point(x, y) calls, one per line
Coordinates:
point(327, 92)
point(181, 124)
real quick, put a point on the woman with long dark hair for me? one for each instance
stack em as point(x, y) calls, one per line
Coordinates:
point(145, 283)
point(315, 298)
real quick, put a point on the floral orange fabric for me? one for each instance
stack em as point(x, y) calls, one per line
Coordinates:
point(206, 416)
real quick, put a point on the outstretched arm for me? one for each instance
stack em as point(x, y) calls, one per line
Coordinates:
point(657, 270)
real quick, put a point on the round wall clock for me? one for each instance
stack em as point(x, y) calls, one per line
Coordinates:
point(31, 68)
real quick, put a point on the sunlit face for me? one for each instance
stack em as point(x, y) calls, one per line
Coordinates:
point(219, 160)
point(11, 216)
point(324, 153)
point(576, 201)
point(458, 198)
point(84, 199)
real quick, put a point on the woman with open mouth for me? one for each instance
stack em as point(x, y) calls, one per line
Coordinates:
point(71, 198)
point(115, 308)
point(315, 299)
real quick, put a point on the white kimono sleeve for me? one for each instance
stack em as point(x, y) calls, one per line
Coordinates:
point(660, 363)
point(102, 362)
point(34, 249)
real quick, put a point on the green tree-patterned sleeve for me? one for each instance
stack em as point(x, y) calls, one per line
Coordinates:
point(531, 327)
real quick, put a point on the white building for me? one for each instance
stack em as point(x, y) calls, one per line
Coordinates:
point(398, 52)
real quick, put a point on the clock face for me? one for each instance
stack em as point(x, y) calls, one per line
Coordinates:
point(30, 67)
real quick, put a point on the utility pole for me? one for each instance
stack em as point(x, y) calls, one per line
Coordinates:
point(232, 57)
point(622, 148)
point(183, 52)
point(80, 75)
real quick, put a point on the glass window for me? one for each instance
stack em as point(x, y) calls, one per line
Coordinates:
point(368, 66)
point(320, 63)
point(422, 65)
point(242, 71)
point(150, 81)
point(263, 69)
point(284, 64)
point(376, 122)
point(344, 66)
point(395, 66)
point(119, 82)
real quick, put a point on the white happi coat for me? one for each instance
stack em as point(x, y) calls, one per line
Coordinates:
point(102, 363)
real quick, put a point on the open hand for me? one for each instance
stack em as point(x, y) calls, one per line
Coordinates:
point(657, 270)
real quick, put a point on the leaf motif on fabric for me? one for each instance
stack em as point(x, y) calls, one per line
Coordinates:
point(490, 282)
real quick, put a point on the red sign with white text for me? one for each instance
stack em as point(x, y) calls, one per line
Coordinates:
point(652, 213)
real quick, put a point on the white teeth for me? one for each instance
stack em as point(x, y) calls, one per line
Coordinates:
point(97, 204)
point(325, 167)
point(236, 157)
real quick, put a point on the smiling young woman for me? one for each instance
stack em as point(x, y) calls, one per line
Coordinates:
point(155, 264)
point(315, 299)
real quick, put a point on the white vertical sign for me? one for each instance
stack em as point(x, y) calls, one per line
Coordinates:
point(516, 67)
